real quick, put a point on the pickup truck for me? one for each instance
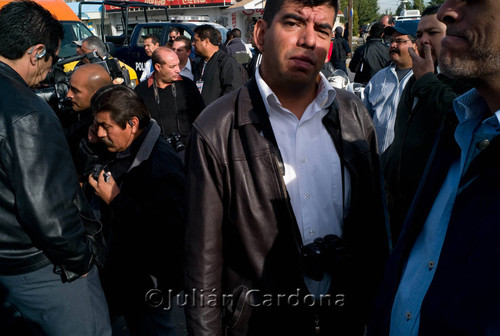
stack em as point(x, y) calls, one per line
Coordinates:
point(129, 48)
point(133, 54)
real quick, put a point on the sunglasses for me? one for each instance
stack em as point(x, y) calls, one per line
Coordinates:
point(55, 59)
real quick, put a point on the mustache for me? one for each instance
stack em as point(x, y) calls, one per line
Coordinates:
point(464, 34)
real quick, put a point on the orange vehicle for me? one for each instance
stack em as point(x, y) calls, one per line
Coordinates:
point(74, 29)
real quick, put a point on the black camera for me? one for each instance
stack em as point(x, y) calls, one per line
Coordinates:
point(97, 170)
point(54, 88)
point(323, 255)
point(175, 141)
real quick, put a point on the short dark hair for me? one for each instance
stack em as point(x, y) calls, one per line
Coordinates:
point(95, 43)
point(24, 24)
point(236, 33)
point(208, 31)
point(174, 29)
point(122, 103)
point(154, 38)
point(430, 10)
point(274, 6)
point(185, 39)
point(376, 30)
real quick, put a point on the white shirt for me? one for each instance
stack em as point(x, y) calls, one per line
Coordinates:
point(147, 70)
point(312, 167)
point(187, 70)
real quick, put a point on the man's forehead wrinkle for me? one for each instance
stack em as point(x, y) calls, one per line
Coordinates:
point(305, 16)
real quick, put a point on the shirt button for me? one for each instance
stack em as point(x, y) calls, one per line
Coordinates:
point(308, 196)
point(408, 316)
point(483, 144)
point(311, 232)
point(304, 160)
point(432, 264)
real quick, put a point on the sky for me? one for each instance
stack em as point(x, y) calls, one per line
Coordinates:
point(390, 4)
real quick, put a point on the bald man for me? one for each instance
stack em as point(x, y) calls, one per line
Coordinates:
point(387, 20)
point(172, 99)
point(84, 82)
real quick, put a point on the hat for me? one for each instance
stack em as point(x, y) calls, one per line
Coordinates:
point(78, 43)
point(338, 30)
point(403, 27)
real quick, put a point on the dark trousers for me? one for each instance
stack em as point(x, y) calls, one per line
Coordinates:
point(54, 308)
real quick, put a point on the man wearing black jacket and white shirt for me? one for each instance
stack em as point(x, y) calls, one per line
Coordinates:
point(172, 100)
point(216, 74)
point(46, 256)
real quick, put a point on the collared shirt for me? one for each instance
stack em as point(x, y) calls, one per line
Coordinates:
point(187, 71)
point(151, 80)
point(312, 167)
point(381, 97)
point(424, 257)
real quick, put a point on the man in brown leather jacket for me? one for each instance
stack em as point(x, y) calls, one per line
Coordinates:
point(285, 223)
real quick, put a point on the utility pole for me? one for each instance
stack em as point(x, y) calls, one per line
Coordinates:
point(350, 22)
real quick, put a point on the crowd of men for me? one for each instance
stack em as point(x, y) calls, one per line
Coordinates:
point(249, 192)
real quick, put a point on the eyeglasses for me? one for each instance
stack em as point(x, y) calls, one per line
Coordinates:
point(395, 40)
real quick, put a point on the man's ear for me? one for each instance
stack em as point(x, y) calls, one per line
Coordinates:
point(134, 124)
point(157, 66)
point(35, 51)
point(259, 32)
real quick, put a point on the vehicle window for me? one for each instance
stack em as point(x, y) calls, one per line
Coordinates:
point(147, 31)
point(73, 31)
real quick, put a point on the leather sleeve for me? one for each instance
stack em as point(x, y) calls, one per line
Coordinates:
point(46, 184)
point(203, 245)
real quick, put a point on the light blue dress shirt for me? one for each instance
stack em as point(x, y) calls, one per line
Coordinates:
point(381, 97)
point(424, 257)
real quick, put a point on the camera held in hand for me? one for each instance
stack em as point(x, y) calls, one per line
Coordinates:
point(97, 170)
point(323, 255)
point(175, 141)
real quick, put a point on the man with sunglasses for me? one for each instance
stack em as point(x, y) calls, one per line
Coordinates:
point(385, 88)
point(46, 255)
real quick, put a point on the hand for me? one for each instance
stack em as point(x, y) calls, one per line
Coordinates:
point(422, 65)
point(107, 191)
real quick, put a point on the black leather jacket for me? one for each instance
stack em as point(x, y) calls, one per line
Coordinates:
point(40, 199)
point(241, 230)
point(221, 75)
point(369, 59)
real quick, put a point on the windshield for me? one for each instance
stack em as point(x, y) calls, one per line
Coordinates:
point(73, 31)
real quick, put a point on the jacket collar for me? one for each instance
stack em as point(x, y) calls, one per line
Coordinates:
point(151, 79)
point(250, 96)
point(7, 71)
point(152, 134)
